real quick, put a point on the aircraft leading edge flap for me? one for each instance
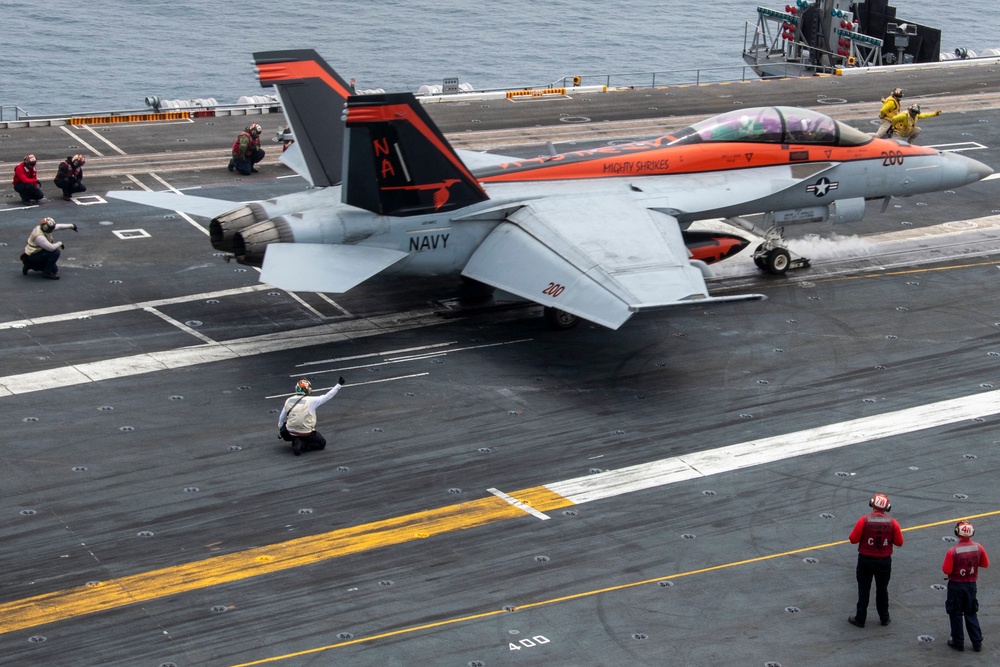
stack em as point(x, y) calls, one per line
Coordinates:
point(601, 258)
point(323, 267)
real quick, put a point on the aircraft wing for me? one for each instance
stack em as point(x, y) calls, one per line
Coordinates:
point(600, 258)
point(202, 206)
point(323, 267)
point(477, 159)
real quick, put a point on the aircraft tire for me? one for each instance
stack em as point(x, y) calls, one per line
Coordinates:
point(560, 320)
point(778, 261)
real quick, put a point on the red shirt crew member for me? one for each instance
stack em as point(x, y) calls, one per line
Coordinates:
point(875, 534)
point(26, 181)
point(962, 564)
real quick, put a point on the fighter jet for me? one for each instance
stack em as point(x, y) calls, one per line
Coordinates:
point(594, 234)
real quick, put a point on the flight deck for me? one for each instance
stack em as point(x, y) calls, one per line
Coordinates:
point(493, 493)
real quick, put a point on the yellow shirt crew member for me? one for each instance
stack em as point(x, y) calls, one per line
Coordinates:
point(905, 124)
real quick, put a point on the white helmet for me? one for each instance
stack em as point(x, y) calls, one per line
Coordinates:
point(880, 501)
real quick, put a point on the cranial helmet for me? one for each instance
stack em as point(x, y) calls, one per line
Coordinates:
point(880, 501)
point(964, 529)
point(30, 160)
point(915, 109)
point(254, 129)
point(47, 225)
point(897, 92)
point(303, 386)
point(79, 160)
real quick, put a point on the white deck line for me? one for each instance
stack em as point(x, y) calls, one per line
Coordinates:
point(120, 367)
point(519, 505)
point(777, 448)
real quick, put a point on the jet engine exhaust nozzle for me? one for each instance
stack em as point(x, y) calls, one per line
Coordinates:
point(250, 243)
point(223, 229)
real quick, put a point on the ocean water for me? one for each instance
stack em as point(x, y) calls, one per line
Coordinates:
point(64, 56)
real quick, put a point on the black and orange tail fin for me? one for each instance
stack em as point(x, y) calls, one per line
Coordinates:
point(399, 163)
point(312, 96)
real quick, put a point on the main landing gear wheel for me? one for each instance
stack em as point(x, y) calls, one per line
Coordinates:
point(772, 256)
point(560, 320)
point(777, 260)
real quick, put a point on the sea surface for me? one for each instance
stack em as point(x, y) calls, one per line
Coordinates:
point(59, 57)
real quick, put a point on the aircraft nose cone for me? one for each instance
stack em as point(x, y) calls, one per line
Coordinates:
point(961, 170)
point(979, 171)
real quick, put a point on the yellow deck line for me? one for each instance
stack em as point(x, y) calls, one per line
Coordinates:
point(585, 594)
point(131, 589)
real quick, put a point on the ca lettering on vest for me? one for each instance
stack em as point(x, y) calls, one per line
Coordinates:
point(429, 242)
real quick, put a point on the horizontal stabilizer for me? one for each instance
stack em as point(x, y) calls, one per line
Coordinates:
point(294, 160)
point(171, 201)
point(322, 267)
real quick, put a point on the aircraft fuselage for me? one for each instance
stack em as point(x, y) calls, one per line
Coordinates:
point(442, 243)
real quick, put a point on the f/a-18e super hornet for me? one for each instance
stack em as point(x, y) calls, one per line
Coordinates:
point(596, 234)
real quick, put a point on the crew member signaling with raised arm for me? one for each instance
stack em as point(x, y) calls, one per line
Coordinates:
point(42, 251)
point(297, 421)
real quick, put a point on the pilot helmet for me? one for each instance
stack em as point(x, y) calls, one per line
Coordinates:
point(47, 225)
point(880, 501)
point(915, 109)
point(30, 160)
point(964, 529)
point(303, 386)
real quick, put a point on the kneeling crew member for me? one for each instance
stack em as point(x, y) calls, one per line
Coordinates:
point(42, 252)
point(905, 124)
point(69, 177)
point(247, 151)
point(890, 108)
point(298, 417)
point(26, 181)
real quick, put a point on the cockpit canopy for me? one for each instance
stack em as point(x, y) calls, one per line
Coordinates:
point(773, 125)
